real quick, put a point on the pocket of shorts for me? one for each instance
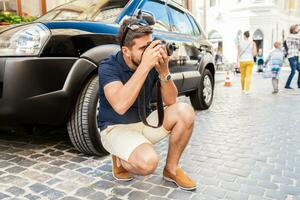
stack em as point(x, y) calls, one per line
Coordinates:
point(104, 138)
point(105, 133)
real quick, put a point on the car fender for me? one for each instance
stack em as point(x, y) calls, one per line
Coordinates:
point(206, 61)
point(84, 68)
point(100, 52)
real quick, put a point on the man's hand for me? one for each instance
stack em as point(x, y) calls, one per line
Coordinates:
point(151, 55)
point(168, 89)
point(162, 66)
point(122, 96)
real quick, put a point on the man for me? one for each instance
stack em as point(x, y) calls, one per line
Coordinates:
point(121, 78)
point(293, 44)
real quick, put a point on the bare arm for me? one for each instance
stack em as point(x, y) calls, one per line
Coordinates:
point(122, 96)
point(169, 92)
point(168, 89)
point(238, 55)
point(254, 49)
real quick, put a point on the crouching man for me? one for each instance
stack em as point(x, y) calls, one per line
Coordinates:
point(121, 78)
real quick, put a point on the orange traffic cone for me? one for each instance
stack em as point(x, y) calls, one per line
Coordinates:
point(227, 80)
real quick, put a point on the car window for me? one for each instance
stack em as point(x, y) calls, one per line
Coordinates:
point(160, 13)
point(86, 10)
point(181, 23)
point(197, 31)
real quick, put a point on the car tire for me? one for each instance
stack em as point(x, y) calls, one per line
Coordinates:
point(82, 126)
point(202, 97)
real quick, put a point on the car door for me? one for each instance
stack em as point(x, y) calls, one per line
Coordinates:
point(200, 39)
point(184, 36)
point(162, 30)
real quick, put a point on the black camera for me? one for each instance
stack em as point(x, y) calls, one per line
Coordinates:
point(171, 47)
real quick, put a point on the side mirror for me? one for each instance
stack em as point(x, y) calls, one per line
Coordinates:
point(147, 16)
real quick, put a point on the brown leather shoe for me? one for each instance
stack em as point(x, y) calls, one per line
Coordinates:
point(119, 173)
point(180, 179)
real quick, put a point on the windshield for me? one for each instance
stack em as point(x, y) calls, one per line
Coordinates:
point(86, 10)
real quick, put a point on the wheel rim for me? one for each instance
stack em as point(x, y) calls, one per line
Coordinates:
point(207, 89)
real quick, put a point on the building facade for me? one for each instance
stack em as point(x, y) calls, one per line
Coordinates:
point(40, 7)
point(225, 21)
point(30, 7)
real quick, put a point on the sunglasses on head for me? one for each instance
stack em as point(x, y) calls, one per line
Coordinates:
point(133, 27)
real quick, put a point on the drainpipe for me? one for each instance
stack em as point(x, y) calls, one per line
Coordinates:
point(43, 7)
point(19, 8)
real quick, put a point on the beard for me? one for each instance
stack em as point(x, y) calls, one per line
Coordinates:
point(135, 61)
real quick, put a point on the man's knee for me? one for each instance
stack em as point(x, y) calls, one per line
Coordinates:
point(186, 113)
point(148, 164)
point(144, 159)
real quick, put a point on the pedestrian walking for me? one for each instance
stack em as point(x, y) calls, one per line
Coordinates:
point(293, 45)
point(219, 58)
point(274, 62)
point(246, 51)
point(260, 61)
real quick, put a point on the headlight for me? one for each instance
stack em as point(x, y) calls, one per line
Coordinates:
point(24, 40)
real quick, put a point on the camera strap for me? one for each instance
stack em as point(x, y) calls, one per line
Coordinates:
point(142, 106)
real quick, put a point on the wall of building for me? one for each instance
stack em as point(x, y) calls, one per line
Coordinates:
point(8, 5)
point(30, 7)
point(54, 3)
point(227, 17)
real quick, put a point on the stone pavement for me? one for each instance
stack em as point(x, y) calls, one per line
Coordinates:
point(244, 147)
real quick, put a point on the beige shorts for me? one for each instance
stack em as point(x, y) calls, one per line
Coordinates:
point(122, 139)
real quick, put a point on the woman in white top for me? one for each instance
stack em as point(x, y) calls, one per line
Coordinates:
point(246, 51)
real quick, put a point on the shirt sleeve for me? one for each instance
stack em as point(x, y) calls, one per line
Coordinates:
point(108, 72)
point(288, 43)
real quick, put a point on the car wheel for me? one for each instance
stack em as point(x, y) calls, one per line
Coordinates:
point(202, 98)
point(82, 126)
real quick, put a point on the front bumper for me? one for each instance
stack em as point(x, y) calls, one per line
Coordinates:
point(31, 90)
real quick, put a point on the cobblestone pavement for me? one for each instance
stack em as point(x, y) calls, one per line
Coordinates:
point(244, 147)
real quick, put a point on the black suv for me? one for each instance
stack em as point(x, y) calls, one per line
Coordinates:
point(48, 68)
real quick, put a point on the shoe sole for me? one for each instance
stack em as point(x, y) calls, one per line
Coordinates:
point(171, 180)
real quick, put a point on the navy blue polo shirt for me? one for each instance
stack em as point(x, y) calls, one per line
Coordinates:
point(112, 69)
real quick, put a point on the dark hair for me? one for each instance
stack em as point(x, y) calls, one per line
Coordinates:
point(131, 35)
point(293, 29)
point(247, 34)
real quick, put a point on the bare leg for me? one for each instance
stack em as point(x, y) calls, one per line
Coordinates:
point(128, 166)
point(177, 145)
point(142, 161)
point(274, 84)
point(180, 119)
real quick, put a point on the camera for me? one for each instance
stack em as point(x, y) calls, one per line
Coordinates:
point(171, 47)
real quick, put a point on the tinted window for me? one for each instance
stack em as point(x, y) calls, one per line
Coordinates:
point(181, 22)
point(195, 26)
point(86, 10)
point(160, 13)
